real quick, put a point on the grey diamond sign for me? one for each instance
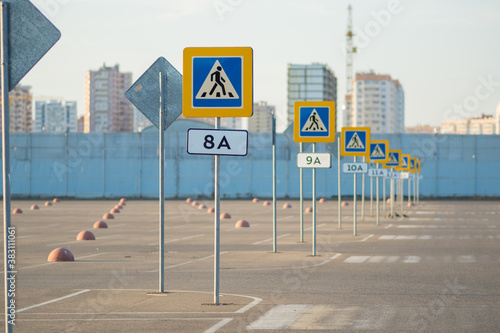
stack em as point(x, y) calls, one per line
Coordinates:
point(144, 94)
point(31, 35)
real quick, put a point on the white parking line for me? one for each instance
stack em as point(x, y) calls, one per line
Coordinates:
point(411, 260)
point(335, 256)
point(171, 266)
point(279, 317)
point(466, 258)
point(356, 259)
point(387, 237)
point(318, 226)
point(55, 244)
point(404, 237)
point(54, 300)
point(92, 255)
point(194, 236)
point(410, 226)
point(213, 255)
point(177, 239)
point(98, 238)
point(26, 236)
point(269, 239)
point(216, 327)
point(367, 238)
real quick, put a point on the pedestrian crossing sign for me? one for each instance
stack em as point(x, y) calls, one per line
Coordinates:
point(394, 156)
point(355, 141)
point(217, 82)
point(405, 163)
point(413, 165)
point(314, 121)
point(378, 151)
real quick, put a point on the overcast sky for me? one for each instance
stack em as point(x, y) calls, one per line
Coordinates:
point(446, 54)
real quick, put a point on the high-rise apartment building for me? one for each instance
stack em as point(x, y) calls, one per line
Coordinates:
point(20, 109)
point(377, 102)
point(421, 129)
point(80, 124)
point(55, 116)
point(106, 108)
point(485, 124)
point(261, 120)
point(314, 82)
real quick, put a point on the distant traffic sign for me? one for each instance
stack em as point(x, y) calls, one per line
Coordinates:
point(144, 94)
point(314, 121)
point(355, 141)
point(314, 160)
point(30, 36)
point(377, 172)
point(217, 142)
point(355, 167)
point(218, 82)
point(405, 163)
point(378, 151)
point(394, 158)
point(413, 165)
point(393, 174)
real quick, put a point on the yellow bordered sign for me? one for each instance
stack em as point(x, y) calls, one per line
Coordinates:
point(314, 121)
point(413, 165)
point(394, 159)
point(217, 82)
point(378, 151)
point(355, 141)
point(404, 164)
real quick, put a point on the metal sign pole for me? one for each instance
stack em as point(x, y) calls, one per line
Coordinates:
point(398, 192)
point(339, 195)
point(275, 245)
point(4, 73)
point(314, 205)
point(409, 191)
point(301, 204)
point(216, 222)
point(371, 194)
point(383, 187)
point(392, 194)
point(363, 194)
point(378, 205)
point(418, 189)
point(415, 197)
point(354, 226)
point(414, 188)
point(161, 153)
point(401, 194)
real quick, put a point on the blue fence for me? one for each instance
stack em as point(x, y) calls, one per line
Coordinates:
point(126, 165)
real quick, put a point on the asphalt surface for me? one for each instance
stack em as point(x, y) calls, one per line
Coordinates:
point(435, 271)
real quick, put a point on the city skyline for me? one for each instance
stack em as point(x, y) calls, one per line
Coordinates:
point(444, 53)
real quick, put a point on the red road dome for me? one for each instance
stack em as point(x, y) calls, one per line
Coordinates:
point(85, 235)
point(242, 224)
point(100, 224)
point(61, 254)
